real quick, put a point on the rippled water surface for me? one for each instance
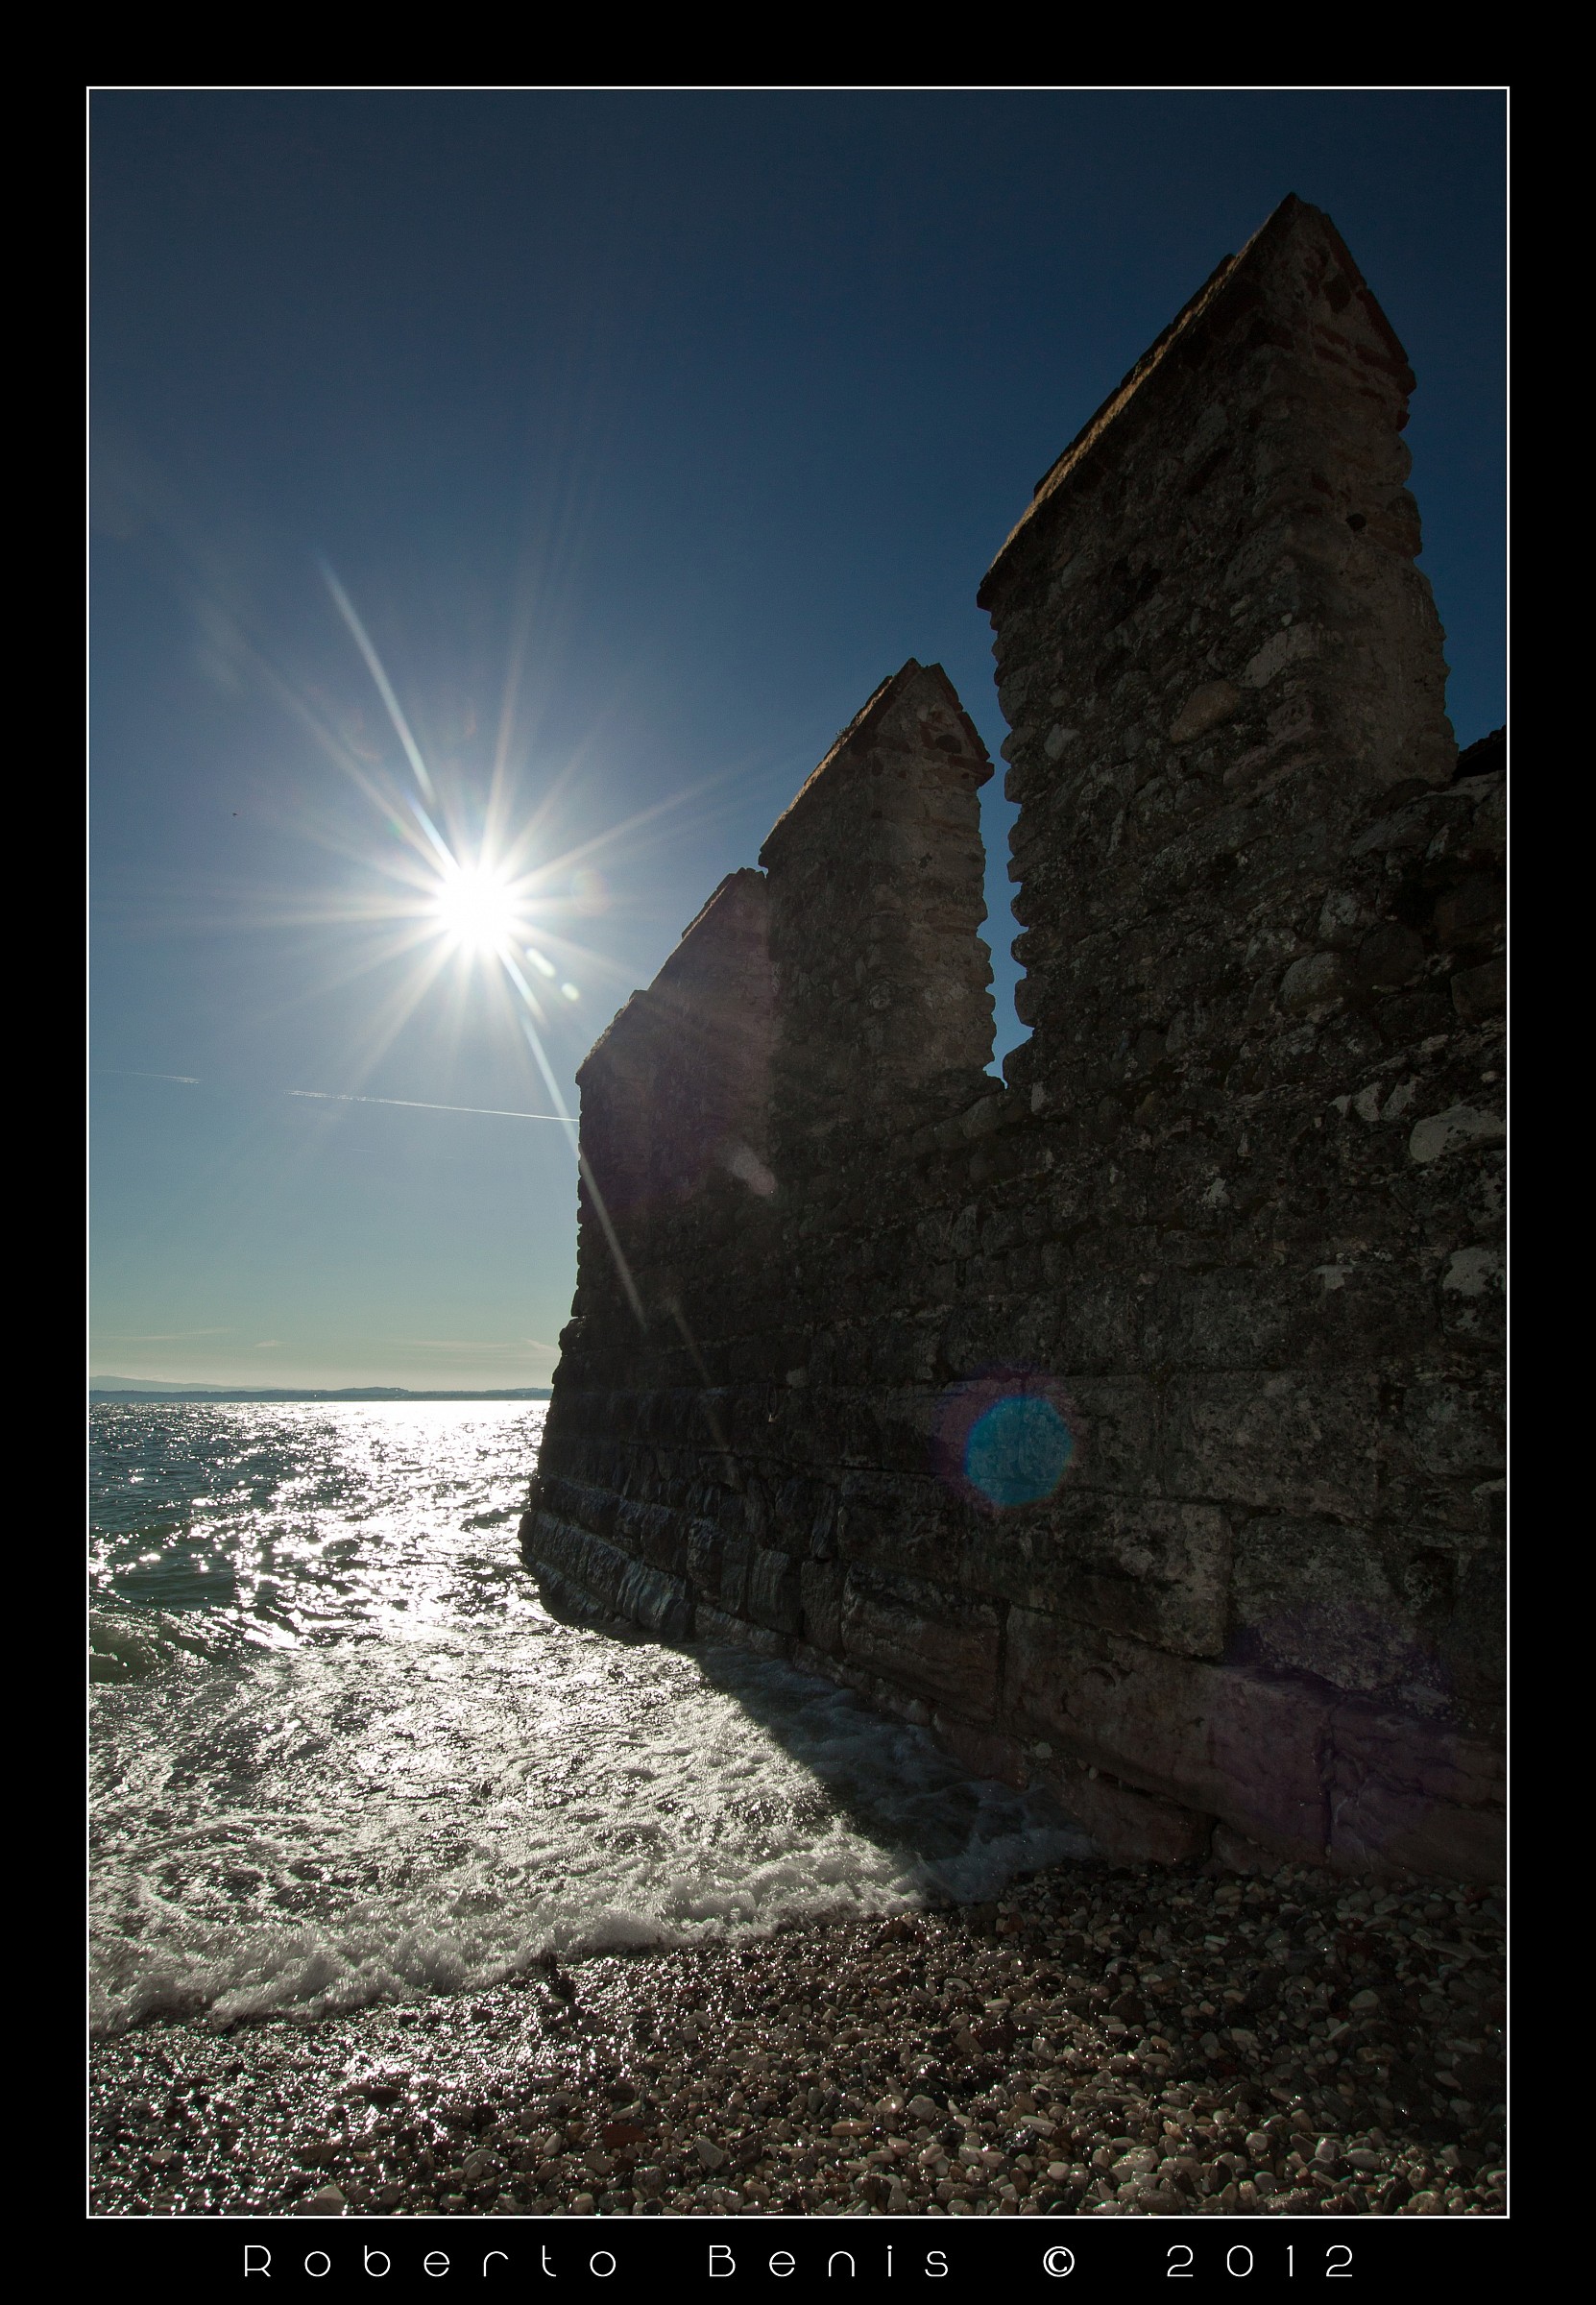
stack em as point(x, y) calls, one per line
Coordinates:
point(342, 1752)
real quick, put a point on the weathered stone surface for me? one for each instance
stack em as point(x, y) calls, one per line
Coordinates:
point(774, 1595)
point(984, 1752)
point(1415, 1797)
point(934, 1641)
point(1480, 993)
point(820, 1594)
point(663, 1603)
point(1138, 1828)
point(1235, 1743)
point(1459, 1125)
point(1325, 1597)
point(1146, 1405)
point(1155, 1568)
point(714, 1624)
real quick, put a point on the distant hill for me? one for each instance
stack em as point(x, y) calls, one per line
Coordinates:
point(138, 1388)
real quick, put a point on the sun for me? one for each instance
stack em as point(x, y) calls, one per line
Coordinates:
point(477, 909)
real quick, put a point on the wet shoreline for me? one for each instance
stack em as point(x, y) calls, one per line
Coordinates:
point(1101, 2041)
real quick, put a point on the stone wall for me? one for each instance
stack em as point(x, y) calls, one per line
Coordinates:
point(1135, 1423)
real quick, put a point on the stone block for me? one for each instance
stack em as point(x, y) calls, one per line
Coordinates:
point(984, 1752)
point(566, 1600)
point(588, 1504)
point(1443, 1132)
point(1279, 1438)
point(736, 1552)
point(1116, 1425)
point(936, 1643)
point(1313, 983)
point(654, 1533)
point(1318, 1596)
point(650, 1597)
point(1131, 1827)
point(736, 1633)
point(774, 1595)
point(1409, 1796)
point(820, 1593)
point(1206, 708)
point(705, 1544)
point(1390, 957)
point(1227, 1742)
point(1448, 1429)
point(1149, 1566)
point(585, 1561)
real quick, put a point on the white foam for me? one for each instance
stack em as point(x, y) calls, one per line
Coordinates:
point(425, 1781)
point(345, 1826)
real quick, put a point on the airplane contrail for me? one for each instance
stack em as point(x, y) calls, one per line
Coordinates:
point(492, 1112)
point(119, 1072)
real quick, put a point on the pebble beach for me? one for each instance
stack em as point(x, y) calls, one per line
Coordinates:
point(1104, 2041)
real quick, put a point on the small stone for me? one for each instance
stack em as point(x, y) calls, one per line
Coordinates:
point(1327, 2153)
point(1390, 957)
point(327, 2201)
point(478, 2168)
point(582, 2205)
point(1457, 1125)
point(1364, 2002)
point(1480, 993)
point(1317, 981)
point(1205, 708)
point(709, 2152)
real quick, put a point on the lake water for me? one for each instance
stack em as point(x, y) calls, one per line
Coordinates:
point(340, 1751)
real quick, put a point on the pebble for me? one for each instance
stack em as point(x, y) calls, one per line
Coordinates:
point(328, 2201)
point(1104, 2041)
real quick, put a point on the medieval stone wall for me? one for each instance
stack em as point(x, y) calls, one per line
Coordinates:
point(1135, 1423)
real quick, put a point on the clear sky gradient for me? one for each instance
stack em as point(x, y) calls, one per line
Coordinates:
point(644, 435)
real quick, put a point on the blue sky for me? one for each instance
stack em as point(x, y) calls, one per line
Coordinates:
point(700, 411)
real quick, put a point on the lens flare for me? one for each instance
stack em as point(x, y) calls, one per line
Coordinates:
point(1006, 1438)
point(1018, 1450)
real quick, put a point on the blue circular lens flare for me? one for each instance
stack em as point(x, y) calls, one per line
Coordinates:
point(1018, 1450)
point(1006, 1437)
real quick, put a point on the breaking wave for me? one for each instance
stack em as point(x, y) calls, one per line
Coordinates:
point(392, 1773)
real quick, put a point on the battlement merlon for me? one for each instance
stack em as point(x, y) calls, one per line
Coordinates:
point(876, 876)
point(677, 1088)
point(1255, 449)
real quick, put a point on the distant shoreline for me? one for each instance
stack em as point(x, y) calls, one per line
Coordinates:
point(219, 1392)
